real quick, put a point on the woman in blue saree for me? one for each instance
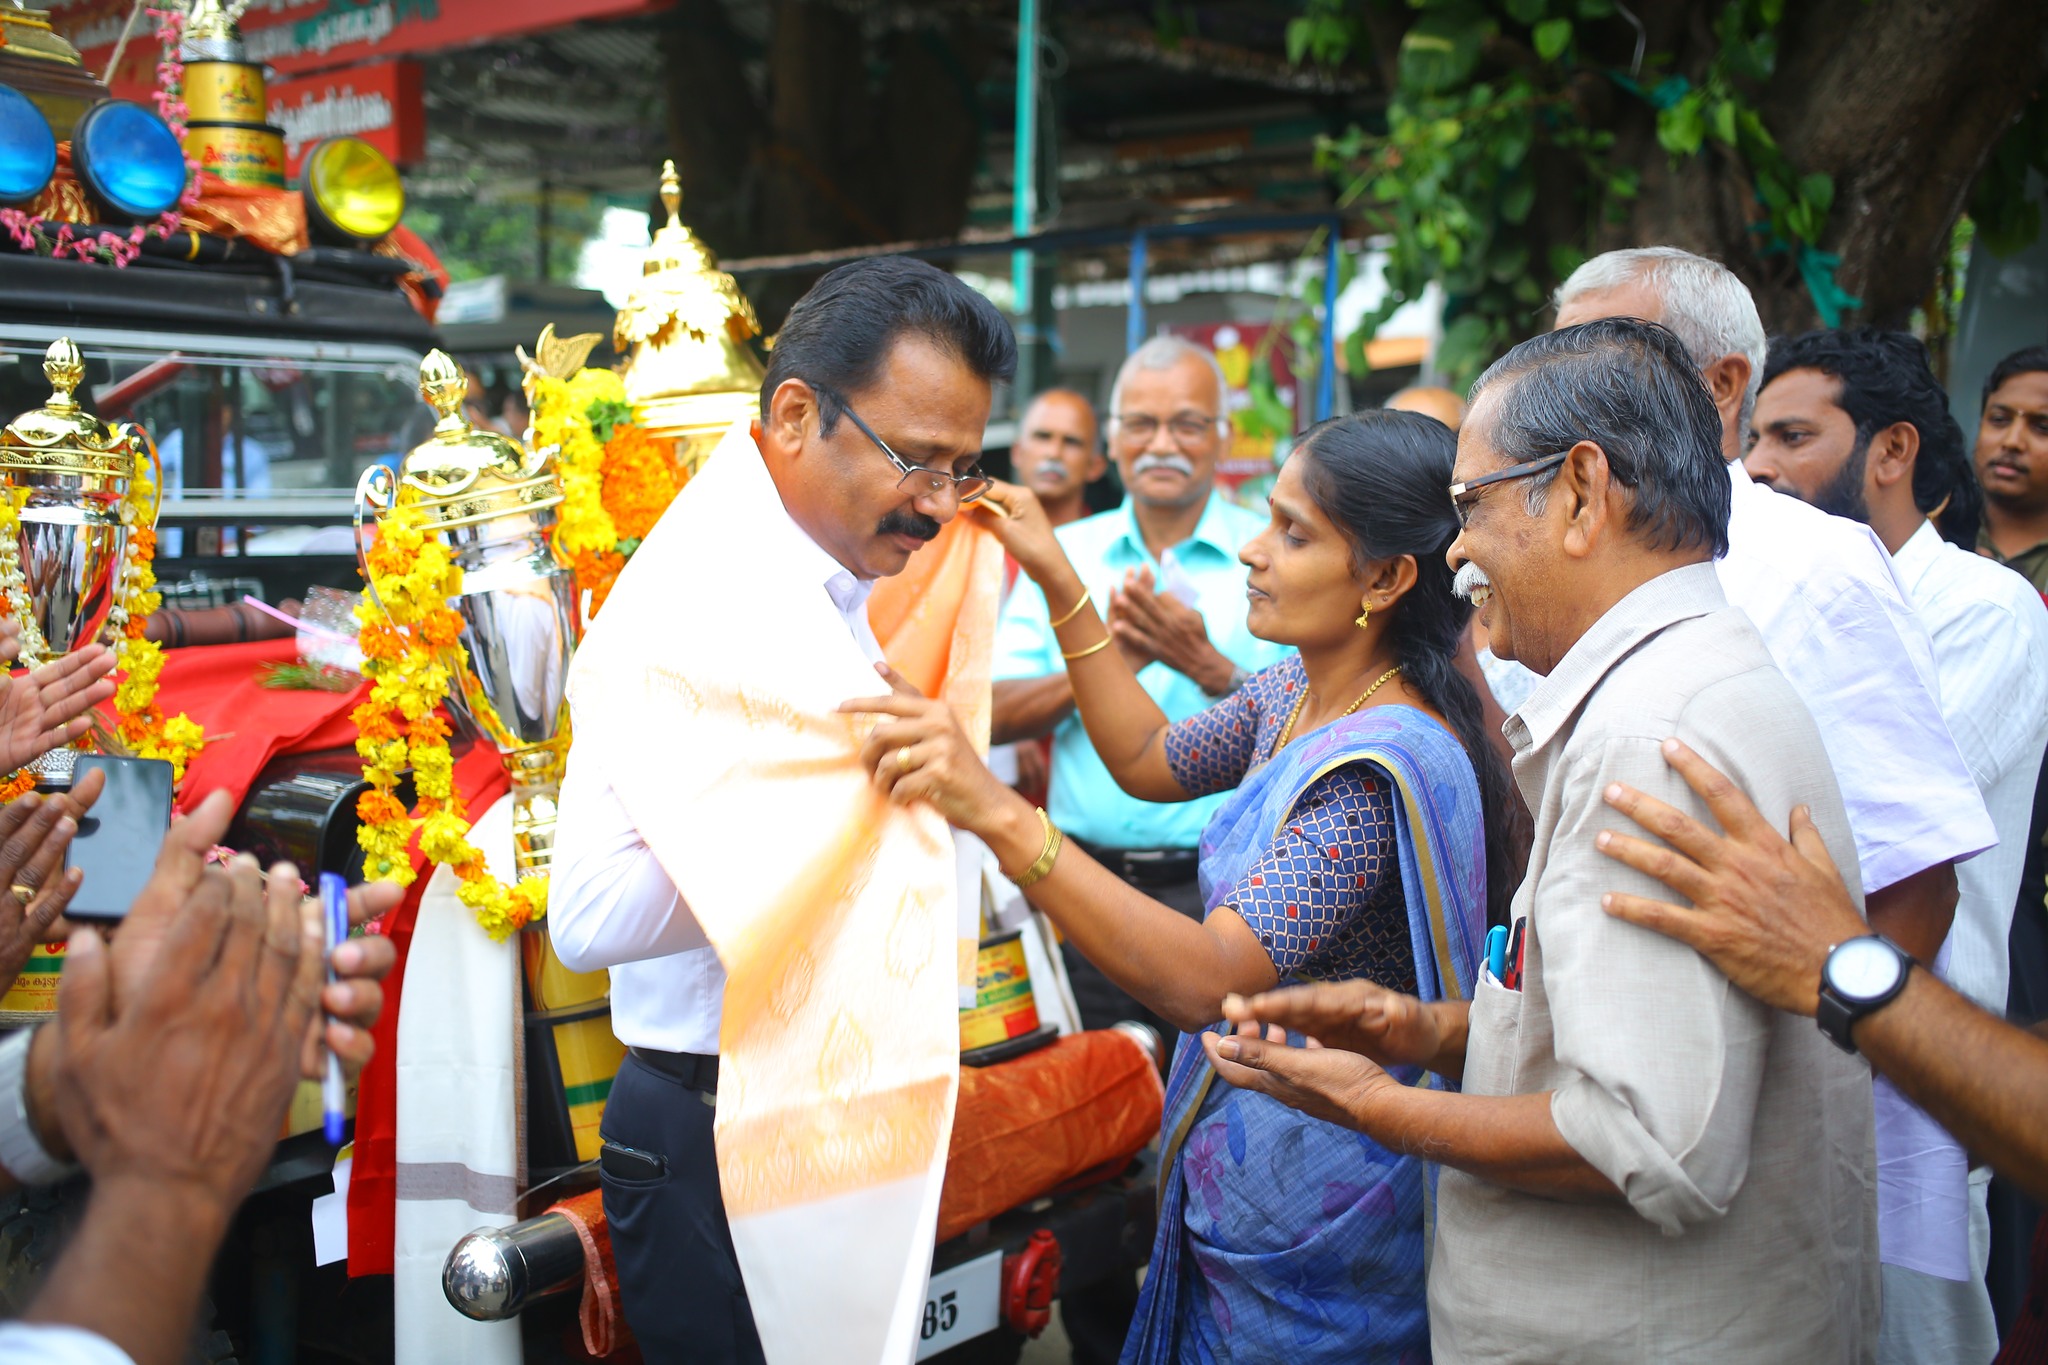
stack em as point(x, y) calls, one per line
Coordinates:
point(1365, 838)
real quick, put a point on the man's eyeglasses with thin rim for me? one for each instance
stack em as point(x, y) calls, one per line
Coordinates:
point(1465, 496)
point(1187, 428)
point(967, 487)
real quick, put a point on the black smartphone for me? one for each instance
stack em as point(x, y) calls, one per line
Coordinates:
point(630, 1164)
point(119, 838)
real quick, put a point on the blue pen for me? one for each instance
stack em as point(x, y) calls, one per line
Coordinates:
point(1497, 951)
point(333, 1091)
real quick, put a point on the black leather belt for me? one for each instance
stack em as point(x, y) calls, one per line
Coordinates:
point(694, 1070)
point(1146, 866)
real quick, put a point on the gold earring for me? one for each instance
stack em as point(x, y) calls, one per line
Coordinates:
point(1365, 615)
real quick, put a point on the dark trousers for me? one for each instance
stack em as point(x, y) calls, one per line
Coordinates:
point(1098, 1318)
point(679, 1282)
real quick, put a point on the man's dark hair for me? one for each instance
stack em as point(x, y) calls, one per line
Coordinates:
point(1885, 379)
point(839, 334)
point(2026, 360)
point(1631, 388)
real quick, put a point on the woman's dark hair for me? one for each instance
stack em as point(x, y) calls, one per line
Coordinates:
point(1384, 478)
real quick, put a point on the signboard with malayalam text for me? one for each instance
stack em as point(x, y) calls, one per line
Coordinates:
point(299, 36)
point(379, 103)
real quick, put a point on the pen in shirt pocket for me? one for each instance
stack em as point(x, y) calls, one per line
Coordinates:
point(1497, 952)
point(1513, 980)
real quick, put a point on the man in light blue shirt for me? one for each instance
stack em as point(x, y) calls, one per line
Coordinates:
point(1165, 567)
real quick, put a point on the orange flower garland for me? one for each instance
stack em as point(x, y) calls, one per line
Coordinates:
point(409, 644)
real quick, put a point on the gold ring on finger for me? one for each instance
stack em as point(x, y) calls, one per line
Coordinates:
point(904, 762)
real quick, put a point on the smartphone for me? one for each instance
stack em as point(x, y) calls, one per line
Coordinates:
point(119, 838)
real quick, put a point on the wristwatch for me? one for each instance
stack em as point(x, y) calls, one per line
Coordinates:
point(1862, 974)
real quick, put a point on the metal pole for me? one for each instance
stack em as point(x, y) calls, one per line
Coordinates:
point(1024, 196)
point(1134, 320)
point(1326, 374)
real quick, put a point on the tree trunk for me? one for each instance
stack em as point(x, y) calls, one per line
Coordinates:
point(1900, 101)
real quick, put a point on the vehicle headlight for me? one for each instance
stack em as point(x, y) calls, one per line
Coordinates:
point(28, 149)
point(128, 159)
point(352, 191)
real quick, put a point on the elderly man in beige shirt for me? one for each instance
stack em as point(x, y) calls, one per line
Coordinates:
point(1645, 1163)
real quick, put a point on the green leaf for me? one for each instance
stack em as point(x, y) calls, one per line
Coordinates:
point(1722, 121)
point(1518, 199)
point(1297, 39)
point(1465, 349)
point(1552, 37)
point(1595, 9)
point(1442, 47)
point(1354, 353)
point(1818, 189)
point(1681, 128)
point(1564, 260)
point(1525, 11)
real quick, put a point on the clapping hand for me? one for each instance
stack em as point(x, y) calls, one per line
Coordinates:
point(1357, 1016)
point(35, 832)
point(1156, 625)
point(48, 707)
point(1323, 1082)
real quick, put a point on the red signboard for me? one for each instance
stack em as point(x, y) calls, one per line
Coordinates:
point(297, 36)
point(1262, 399)
point(379, 103)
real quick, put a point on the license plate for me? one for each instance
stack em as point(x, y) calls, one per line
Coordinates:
point(961, 1304)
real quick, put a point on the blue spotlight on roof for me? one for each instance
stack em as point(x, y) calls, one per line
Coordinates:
point(129, 159)
point(28, 149)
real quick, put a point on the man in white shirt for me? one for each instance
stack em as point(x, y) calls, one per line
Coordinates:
point(1856, 424)
point(872, 415)
point(1824, 595)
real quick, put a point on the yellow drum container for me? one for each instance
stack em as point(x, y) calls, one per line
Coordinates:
point(589, 1057)
point(33, 997)
point(1004, 1005)
point(240, 154)
point(549, 984)
point(225, 92)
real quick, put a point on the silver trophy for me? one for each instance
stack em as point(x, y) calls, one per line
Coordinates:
point(493, 504)
point(66, 474)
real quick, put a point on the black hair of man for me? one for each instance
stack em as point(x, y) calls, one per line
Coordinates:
point(1631, 388)
point(2026, 360)
point(839, 334)
point(1886, 378)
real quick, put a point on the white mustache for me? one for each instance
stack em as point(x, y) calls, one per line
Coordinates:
point(1470, 579)
point(1180, 464)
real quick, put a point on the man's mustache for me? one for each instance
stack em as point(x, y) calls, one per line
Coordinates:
point(1179, 464)
point(909, 522)
point(1470, 579)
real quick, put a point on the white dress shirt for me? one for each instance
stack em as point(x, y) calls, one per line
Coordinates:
point(1990, 634)
point(54, 1343)
point(610, 904)
point(1841, 626)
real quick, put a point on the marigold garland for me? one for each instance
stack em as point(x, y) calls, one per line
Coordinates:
point(142, 725)
point(408, 644)
point(616, 479)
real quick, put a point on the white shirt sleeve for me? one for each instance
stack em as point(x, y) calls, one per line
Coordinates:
point(56, 1343)
point(609, 901)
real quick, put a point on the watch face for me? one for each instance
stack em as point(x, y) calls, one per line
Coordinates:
point(1863, 969)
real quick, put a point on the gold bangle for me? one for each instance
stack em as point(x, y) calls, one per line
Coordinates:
point(1036, 873)
point(1075, 612)
point(1104, 643)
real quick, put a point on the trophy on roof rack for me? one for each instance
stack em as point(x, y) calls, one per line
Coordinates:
point(228, 133)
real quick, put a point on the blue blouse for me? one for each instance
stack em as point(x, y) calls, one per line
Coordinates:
point(1325, 897)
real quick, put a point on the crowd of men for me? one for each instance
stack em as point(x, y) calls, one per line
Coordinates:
point(1761, 601)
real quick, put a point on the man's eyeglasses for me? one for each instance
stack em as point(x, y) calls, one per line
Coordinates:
point(1465, 496)
point(918, 480)
point(1186, 428)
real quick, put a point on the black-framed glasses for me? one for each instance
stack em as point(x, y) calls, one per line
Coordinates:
point(1465, 496)
point(918, 480)
point(1186, 428)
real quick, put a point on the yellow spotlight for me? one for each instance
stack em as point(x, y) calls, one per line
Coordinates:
point(352, 191)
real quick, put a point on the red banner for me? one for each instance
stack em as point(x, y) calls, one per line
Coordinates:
point(297, 36)
point(379, 103)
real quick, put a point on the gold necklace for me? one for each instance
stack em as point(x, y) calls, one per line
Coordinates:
point(1295, 715)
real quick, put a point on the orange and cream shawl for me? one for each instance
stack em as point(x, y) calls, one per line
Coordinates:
point(709, 685)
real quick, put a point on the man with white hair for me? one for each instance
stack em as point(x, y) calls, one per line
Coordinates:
point(1163, 567)
point(1824, 596)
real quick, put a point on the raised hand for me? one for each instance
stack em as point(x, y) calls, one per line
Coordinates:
point(1358, 1016)
point(1764, 911)
point(48, 707)
point(35, 832)
point(1160, 626)
point(1323, 1082)
point(1017, 519)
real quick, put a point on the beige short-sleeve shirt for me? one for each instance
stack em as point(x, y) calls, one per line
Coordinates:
point(1739, 1135)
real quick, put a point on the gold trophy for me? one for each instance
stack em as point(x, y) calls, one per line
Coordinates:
point(492, 503)
point(226, 132)
point(65, 475)
point(690, 375)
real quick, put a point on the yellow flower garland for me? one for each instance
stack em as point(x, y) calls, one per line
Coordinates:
point(408, 644)
point(142, 725)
